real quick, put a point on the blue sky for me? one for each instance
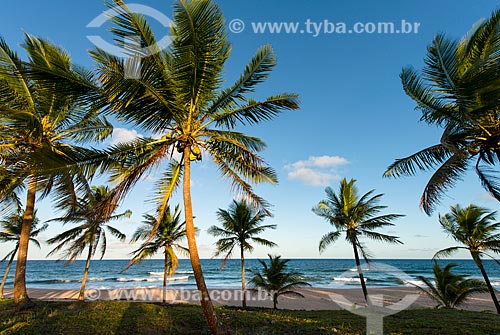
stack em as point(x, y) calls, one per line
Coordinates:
point(354, 119)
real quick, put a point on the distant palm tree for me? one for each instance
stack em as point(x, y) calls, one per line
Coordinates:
point(181, 96)
point(457, 90)
point(450, 290)
point(90, 233)
point(354, 216)
point(475, 229)
point(11, 232)
point(41, 125)
point(165, 238)
point(276, 281)
point(240, 225)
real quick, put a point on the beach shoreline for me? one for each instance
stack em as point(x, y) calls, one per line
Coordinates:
point(314, 298)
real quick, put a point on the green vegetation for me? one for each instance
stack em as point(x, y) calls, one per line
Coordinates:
point(91, 233)
point(11, 232)
point(457, 91)
point(180, 96)
point(276, 280)
point(52, 109)
point(131, 318)
point(42, 125)
point(355, 217)
point(164, 237)
point(240, 225)
point(476, 230)
point(451, 290)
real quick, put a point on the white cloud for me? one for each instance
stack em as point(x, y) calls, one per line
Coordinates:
point(122, 135)
point(311, 177)
point(316, 170)
point(323, 161)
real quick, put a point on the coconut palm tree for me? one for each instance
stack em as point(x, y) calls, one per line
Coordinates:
point(450, 290)
point(476, 230)
point(180, 96)
point(355, 217)
point(90, 233)
point(167, 236)
point(457, 91)
point(42, 125)
point(276, 281)
point(241, 224)
point(11, 232)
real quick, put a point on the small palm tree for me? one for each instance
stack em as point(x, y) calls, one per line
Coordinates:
point(475, 229)
point(11, 232)
point(276, 281)
point(165, 238)
point(354, 216)
point(450, 290)
point(90, 233)
point(240, 225)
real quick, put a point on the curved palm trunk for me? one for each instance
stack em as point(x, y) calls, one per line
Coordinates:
point(20, 294)
point(165, 270)
point(81, 296)
point(275, 301)
point(479, 264)
point(208, 308)
point(243, 283)
point(7, 270)
point(360, 272)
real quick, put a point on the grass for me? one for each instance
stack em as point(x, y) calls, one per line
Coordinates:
point(131, 318)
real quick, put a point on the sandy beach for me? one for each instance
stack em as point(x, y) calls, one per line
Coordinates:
point(314, 298)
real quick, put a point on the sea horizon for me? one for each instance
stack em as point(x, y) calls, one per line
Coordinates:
point(319, 272)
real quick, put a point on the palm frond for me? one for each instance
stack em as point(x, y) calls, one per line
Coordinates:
point(446, 252)
point(422, 160)
point(442, 179)
point(328, 239)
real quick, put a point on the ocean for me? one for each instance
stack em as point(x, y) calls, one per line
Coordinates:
point(327, 273)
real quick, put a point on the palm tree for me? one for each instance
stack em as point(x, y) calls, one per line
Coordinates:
point(41, 125)
point(90, 233)
point(180, 96)
point(11, 232)
point(450, 290)
point(167, 236)
point(474, 228)
point(457, 91)
point(354, 216)
point(240, 225)
point(276, 281)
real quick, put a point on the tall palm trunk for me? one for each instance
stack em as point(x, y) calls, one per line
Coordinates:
point(208, 308)
point(275, 301)
point(165, 270)
point(479, 264)
point(360, 272)
point(7, 270)
point(243, 283)
point(20, 294)
point(81, 296)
